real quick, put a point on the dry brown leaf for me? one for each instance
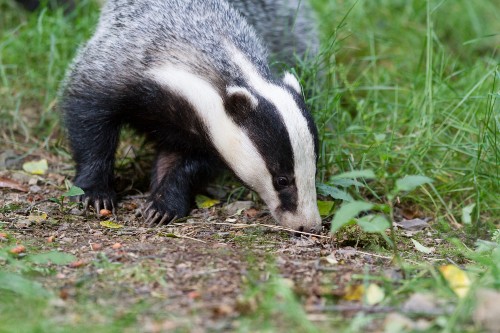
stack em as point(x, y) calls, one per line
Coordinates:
point(77, 264)
point(12, 184)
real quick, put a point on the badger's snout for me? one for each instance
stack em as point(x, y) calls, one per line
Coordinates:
point(301, 222)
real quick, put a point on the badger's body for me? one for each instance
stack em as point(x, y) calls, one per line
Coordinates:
point(193, 76)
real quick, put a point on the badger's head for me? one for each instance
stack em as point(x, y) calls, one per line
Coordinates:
point(277, 154)
point(262, 130)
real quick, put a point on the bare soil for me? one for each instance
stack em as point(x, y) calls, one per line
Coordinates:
point(196, 272)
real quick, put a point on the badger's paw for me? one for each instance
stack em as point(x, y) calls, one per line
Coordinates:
point(97, 199)
point(156, 215)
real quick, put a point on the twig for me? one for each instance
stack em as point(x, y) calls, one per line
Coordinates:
point(374, 255)
point(276, 227)
point(191, 238)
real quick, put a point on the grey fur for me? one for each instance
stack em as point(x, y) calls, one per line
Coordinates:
point(287, 26)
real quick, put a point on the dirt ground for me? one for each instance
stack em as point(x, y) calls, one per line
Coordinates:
point(198, 270)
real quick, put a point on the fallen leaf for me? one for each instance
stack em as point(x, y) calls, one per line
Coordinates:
point(36, 167)
point(18, 249)
point(413, 224)
point(457, 279)
point(467, 213)
point(331, 260)
point(422, 248)
point(374, 294)
point(354, 293)
point(205, 202)
point(111, 224)
point(12, 184)
point(38, 218)
point(235, 208)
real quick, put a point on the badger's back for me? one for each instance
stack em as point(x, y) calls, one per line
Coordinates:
point(132, 37)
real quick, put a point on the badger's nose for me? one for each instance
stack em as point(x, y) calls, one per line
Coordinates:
point(311, 230)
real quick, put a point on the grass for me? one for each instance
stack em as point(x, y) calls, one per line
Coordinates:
point(401, 88)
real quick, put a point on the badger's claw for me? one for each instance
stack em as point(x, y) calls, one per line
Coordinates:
point(153, 217)
point(97, 201)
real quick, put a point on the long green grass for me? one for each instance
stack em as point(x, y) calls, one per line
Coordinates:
point(413, 89)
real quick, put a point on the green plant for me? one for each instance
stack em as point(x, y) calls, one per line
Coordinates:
point(73, 191)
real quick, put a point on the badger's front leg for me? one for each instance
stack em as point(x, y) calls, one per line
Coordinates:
point(93, 134)
point(174, 180)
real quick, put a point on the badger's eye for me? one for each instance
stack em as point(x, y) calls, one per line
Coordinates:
point(282, 181)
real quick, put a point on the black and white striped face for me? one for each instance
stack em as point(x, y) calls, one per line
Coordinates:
point(263, 132)
point(283, 149)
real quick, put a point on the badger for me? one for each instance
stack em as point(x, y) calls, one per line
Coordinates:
point(193, 76)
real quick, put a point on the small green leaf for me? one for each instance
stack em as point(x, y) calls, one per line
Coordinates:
point(57, 258)
point(111, 225)
point(205, 202)
point(325, 207)
point(373, 223)
point(348, 212)
point(334, 192)
point(36, 167)
point(368, 174)
point(20, 285)
point(73, 192)
point(409, 183)
point(467, 214)
point(421, 248)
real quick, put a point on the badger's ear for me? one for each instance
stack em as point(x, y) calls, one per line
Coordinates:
point(290, 80)
point(240, 99)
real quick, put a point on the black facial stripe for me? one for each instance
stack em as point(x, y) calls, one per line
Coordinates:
point(268, 132)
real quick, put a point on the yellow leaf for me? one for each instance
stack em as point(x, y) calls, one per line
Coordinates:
point(36, 167)
point(205, 202)
point(111, 225)
point(38, 218)
point(374, 294)
point(354, 293)
point(457, 279)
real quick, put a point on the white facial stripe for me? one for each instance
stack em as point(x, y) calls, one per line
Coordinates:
point(231, 142)
point(291, 80)
point(300, 136)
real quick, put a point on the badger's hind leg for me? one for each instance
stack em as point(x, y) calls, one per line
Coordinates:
point(175, 177)
point(93, 134)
